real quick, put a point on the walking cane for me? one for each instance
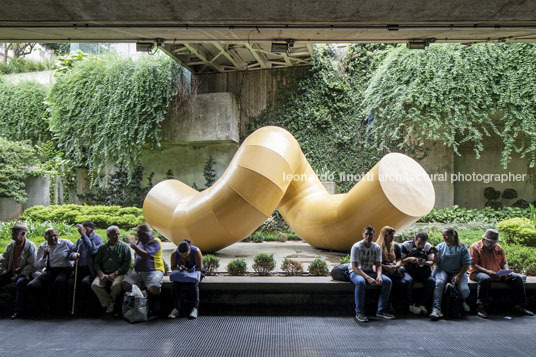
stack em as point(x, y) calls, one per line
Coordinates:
point(75, 278)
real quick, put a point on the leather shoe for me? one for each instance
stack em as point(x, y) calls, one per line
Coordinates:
point(15, 315)
point(522, 311)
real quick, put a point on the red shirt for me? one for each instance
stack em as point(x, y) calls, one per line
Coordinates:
point(493, 259)
point(16, 255)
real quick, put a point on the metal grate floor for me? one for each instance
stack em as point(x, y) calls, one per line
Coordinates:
point(269, 336)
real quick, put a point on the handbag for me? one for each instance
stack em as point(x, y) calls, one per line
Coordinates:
point(185, 276)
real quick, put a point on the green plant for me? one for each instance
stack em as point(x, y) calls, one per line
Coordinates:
point(237, 266)
point(345, 259)
point(118, 103)
point(211, 264)
point(455, 94)
point(460, 214)
point(23, 65)
point(209, 173)
point(291, 267)
point(14, 157)
point(256, 237)
point(318, 267)
point(22, 111)
point(263, 263)
point(518, 231)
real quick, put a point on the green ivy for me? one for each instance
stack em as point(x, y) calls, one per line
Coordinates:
point(456, 94)
point(104, 110)
point(22, 111)
point(14, 157)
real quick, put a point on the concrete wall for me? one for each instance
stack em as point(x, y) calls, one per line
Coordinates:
point(44, 77)
point(9, 209)
point(471, 193)
point(204, 117)
point(38, 190)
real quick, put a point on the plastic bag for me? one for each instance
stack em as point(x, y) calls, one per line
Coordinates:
point(135, 305)
point(136, 291)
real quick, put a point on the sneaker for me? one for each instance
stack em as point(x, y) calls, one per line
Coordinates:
point(436, 314)
point(361, 317)
point(385, 315)
point(415, 309)
point(423, 309)
point(466, 307)
point(481, 311)
point(522, 311)
point(193, 314)
point(110, 308)
point(173, 314)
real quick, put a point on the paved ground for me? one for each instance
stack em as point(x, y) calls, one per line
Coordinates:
point(269, 336)
point(296, 250)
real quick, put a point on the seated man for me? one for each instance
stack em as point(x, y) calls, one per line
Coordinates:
point(487, 258)
point(111, 263)
point(364, 255)
point(17, 264)
point(56, 256)
point(87, 245)
point(148, 266)
point(418, 259)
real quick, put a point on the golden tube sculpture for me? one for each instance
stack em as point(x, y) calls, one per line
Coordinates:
point(270, 171)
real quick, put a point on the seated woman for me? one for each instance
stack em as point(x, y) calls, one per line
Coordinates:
point(186, 258)
point(452, 259)
point(391, 261)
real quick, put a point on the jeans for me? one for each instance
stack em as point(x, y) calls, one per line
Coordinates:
point(441, 279)
point(193, 293)
point(429, 283)
point(484, 283)
point(359, 294)
point(20, 285)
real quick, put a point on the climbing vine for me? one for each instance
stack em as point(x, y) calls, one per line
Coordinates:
point(22, 111)
point(456, 94)
point(105, 109)
point(14, 157)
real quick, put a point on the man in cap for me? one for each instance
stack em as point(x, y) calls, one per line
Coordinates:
point(148, 265)
point(487, 261)
point(17, 264)
point(56, 256)
point(87, 246)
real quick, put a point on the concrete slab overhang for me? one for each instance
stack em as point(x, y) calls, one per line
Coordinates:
point(217, 36)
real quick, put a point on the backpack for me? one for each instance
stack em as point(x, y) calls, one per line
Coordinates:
point(341, 273)
point(452, 302)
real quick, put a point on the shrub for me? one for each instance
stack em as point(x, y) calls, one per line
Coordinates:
point(460, 214)
point(521, 259)
point(256, 237)
point(237, 266)
point(291, 267)
point(318, 267)
point(211, 264)
point(344, 260)
point(293, 236)
point(518, 231)
point(14, 156)
point(263, 263)
point(102, 216)
point(282, 237)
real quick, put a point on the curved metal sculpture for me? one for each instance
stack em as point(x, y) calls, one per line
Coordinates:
point(270, 171)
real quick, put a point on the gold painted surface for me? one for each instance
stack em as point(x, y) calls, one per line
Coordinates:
point(270, 171)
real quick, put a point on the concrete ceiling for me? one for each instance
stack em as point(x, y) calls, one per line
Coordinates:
point(217, 36)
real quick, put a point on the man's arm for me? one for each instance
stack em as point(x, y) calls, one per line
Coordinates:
point(355, 268)
point(125, 264)
point(29, 268)
point(41, 259)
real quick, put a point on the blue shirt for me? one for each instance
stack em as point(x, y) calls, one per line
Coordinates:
point(87, 247)
point(452, 258)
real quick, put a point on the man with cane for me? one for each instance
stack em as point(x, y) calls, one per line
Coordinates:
point(86, 247)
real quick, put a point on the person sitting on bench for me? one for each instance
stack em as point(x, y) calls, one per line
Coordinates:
point(487, 261)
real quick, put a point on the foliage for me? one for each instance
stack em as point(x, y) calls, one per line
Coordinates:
point(318, 267)
point(275, 223)
point(263, 263)
point(237, 266)
point(518, 231)
point(102, 216)
point(121, 191)
point(23, 111)
point(345, 259)
point(14, 157)
point(24, 65)
point(275, 236)
point(37, 231)
point(460, 214)
point(104, 110)
point(456, 94)
point(66, 63)
point(211, 264)
point(209, 173)
point(59, 49)
point(292, 267)
point(320, 106)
